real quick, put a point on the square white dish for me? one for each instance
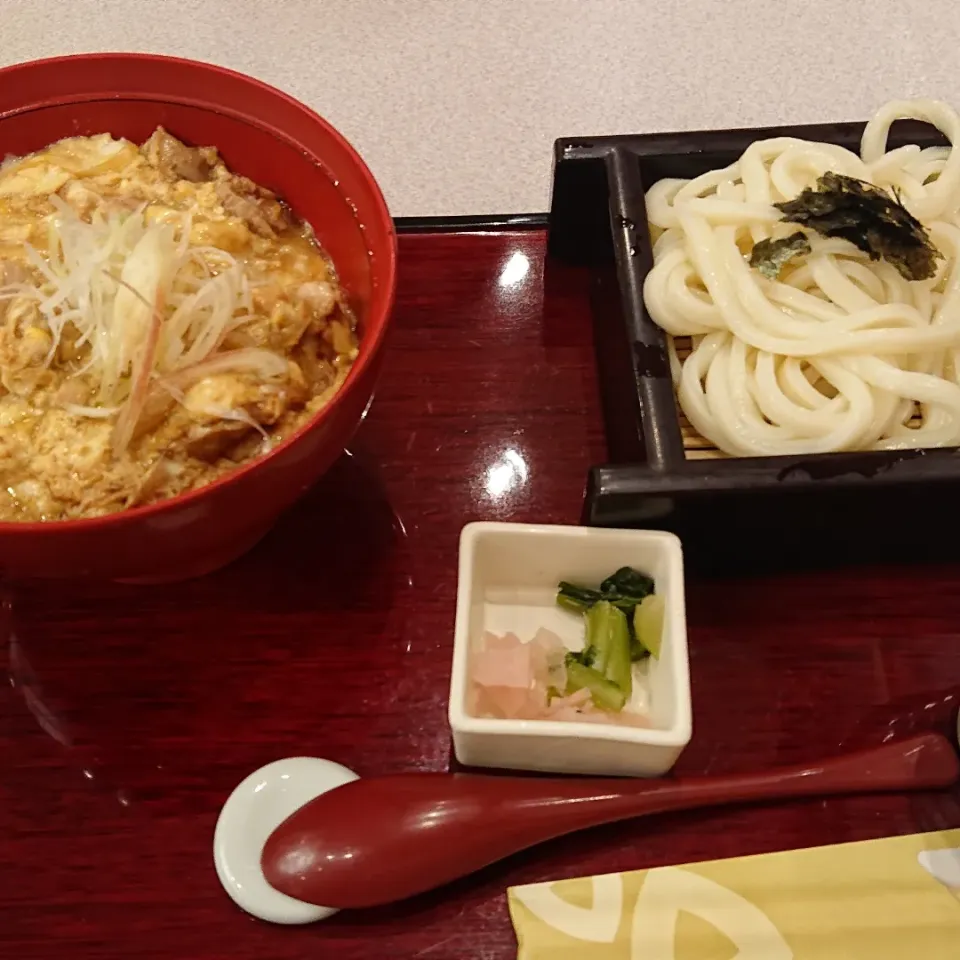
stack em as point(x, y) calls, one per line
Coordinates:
point(507, 581)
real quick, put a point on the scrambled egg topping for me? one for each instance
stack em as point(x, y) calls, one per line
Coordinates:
point(106, 405)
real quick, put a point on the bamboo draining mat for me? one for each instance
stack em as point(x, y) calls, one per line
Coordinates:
point(694, 446)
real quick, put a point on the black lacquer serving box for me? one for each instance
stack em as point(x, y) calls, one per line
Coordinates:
point(759, 512)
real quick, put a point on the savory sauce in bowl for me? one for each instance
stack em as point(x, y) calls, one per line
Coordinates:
point(162, 321)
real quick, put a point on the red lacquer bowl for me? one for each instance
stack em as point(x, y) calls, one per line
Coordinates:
point(279, 143)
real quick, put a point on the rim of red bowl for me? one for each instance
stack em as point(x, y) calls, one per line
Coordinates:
point(376, 324)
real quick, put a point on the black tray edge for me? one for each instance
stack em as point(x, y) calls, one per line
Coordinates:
point(472, 224)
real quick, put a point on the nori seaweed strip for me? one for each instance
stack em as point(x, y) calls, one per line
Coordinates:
point(870, 219)
point(771, 256)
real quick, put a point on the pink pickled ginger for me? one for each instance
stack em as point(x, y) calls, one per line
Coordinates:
point(513, 680)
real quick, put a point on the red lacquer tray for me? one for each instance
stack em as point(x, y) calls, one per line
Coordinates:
point(131, 712)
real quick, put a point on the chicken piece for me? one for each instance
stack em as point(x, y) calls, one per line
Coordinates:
point(226, 407)
point(24, 346)
point(176, 161)
point(231, 392)
point(319, 295)
point(80, 197)
point(210, 441)
point(72, 391)
point(315, 359)
point(280, 329)
point(254, 205)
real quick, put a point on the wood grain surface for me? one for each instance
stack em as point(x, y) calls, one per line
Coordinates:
point(130, 713)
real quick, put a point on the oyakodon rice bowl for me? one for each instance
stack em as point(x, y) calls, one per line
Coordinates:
point(162, 320)
point(196, 282)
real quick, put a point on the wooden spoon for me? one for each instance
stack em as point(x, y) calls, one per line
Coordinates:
point(383, 839)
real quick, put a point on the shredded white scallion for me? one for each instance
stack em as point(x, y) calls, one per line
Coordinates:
point(145, 303)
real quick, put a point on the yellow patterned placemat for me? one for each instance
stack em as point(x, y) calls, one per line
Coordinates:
point(891, 899)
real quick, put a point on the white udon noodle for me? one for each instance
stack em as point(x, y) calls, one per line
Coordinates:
point(838, 353)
